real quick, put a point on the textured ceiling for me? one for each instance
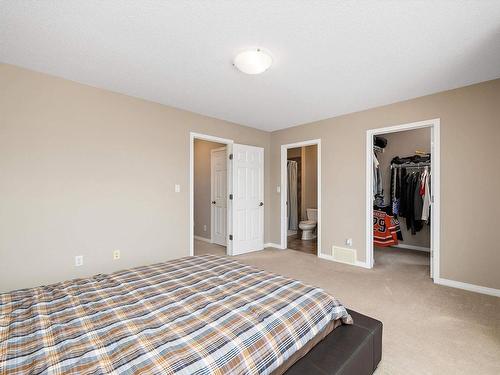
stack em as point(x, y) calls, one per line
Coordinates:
point(330, 57)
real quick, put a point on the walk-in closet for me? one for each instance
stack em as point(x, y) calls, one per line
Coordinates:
point(402, 180)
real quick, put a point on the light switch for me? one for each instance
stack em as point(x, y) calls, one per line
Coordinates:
point(278, 189)
point(79, 260)
point(177, 188)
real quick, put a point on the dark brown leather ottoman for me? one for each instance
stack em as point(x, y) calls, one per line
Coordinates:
point(355, 349)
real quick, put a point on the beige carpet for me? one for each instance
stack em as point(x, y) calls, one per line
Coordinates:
point(428, 328)
point(201, 247)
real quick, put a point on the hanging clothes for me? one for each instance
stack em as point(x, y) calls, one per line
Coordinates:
point(410, 191)
point(413, 199)
point(418, 203)
point(426, 194)
point(375, 174)
point(378, 189)
point(395, 190)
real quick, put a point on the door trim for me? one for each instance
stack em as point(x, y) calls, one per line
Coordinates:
point(284, 189)
point(212, 210)
point(211, 138)
point(434, 124)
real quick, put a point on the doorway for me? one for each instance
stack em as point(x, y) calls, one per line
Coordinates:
point(243, 220)
point(209, 199)
point(402, 195)
point(301, 196)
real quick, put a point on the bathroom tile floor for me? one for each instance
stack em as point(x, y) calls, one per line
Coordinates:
point(296, 243)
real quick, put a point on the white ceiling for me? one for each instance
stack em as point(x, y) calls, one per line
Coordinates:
point(330, 57)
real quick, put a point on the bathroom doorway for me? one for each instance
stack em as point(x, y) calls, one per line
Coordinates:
point(300, 196)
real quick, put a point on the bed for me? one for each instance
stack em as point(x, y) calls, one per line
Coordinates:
point(194, 315)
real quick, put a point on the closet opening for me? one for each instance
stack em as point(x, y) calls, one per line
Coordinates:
point(301, 196)
point(404, 197)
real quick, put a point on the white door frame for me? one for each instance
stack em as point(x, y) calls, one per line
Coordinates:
point(284, 189)
point(434, 124)
point(212, 208)
point(211, 138)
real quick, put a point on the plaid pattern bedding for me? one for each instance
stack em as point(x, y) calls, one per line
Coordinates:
point(194, 315)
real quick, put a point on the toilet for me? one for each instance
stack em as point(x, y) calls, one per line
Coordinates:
point(308, 226)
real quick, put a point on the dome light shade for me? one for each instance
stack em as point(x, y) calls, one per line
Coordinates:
point(253, 61)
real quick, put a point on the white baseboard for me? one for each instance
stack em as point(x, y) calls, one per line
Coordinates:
point(362, 264)
point(357, 264)
point(204, 239)
point(412, 247)
point(272, 244)
point(469, 287)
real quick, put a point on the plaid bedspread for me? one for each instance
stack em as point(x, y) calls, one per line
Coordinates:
point(194, 315)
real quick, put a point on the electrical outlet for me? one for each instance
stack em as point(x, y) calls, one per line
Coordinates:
point(116, 254)
point(177, 188)
point(204, 228)
point(278, 189)
point(79, 260)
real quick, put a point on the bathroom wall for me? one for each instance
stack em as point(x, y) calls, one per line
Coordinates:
point(309, 178)
point(296, 155)
point(308, 174)
point(203, 186)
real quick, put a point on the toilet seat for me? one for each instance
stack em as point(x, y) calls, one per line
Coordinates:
point(308, 222)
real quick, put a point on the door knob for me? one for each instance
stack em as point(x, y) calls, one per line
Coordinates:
point(213, 202)
point(261, 203)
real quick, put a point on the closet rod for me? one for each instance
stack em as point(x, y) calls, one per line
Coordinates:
point(411, 165)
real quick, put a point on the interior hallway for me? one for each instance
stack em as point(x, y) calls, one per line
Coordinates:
point(428, 328)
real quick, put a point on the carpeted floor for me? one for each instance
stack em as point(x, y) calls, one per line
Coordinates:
point(428, 328)
point(201, 247)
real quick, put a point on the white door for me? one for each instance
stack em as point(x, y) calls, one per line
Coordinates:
point(248, 199)
point(219, 196)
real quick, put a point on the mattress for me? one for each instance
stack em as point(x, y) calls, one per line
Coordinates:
point(194, 315)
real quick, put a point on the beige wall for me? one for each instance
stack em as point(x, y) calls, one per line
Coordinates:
point(470, 177)
point(203, 186)
point(405, 144)
point(86, 171)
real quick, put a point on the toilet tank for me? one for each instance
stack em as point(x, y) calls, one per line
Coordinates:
point(312, 214)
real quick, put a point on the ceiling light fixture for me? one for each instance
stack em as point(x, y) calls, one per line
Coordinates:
point(253, 61)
